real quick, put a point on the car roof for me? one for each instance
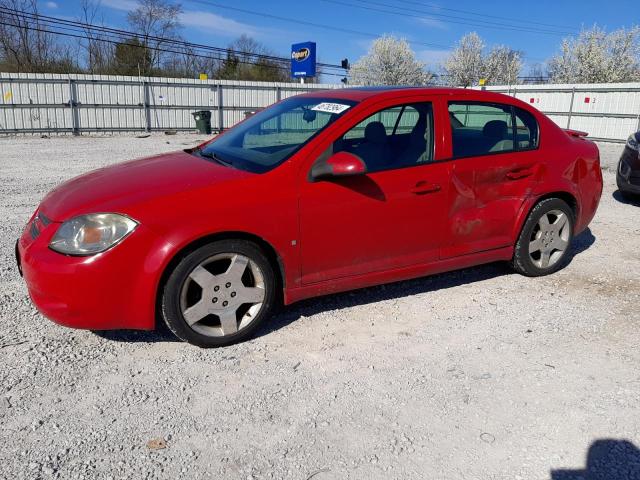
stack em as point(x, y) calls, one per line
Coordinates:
point(363, 93)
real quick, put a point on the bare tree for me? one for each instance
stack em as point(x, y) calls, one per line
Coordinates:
point(390, 61)
point(596, 56)
point(247, 59)
point(465, 64)
point(24, 46)
point(156, 21)
point(537, 74)
point(99, 53)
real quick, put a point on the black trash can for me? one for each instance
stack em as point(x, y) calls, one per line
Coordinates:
point(203, 121)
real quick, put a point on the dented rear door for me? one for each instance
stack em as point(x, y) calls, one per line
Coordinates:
point(486, 191)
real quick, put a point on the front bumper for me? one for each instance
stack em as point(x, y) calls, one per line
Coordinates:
point(628, 171)
point(111, 290)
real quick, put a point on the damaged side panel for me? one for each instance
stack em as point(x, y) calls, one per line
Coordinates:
point(486, 196)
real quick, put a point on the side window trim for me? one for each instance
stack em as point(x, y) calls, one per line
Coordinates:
point(430, 148)
point(535, 141)
point(513, 109)
point(514, 129)
point(395, 127)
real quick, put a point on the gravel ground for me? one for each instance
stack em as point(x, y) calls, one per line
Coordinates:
point(475, 374)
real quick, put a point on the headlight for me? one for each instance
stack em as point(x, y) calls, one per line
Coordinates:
point(632, 143)
point(92, 233)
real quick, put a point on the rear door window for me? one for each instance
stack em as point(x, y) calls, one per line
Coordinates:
point(480, 128)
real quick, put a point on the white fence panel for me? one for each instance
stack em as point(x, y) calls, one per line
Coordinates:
point(53, 103)
point(609, 112)
point(33, 103)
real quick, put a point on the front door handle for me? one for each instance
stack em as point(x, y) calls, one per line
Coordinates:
point(518, 174)
point(422, 188)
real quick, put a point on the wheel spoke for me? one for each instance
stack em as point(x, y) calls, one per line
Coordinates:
point(560, 244)
point(251, 295)
point(560, 222)
point(228, 322)
point(202, 277)
point(535, 245)
point(544, 223)
point(196, 312)
point(237, 268)
point(544, 259)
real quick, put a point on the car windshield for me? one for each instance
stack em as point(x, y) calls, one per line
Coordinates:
point(267, 139)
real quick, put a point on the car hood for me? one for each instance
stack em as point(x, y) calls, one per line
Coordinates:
point(125, 187)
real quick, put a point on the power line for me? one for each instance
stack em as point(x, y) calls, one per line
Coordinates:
point(485, 15)
point(479, 23)
point(79, 35)
point(310, 24)
point(77, 25)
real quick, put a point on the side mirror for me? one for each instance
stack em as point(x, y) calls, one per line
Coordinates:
point(341, 164)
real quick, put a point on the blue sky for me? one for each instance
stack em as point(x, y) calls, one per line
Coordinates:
point(431, 26)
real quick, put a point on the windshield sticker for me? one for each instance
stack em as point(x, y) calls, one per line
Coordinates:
point(330, 107)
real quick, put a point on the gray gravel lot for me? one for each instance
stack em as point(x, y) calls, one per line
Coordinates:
point(475, 374)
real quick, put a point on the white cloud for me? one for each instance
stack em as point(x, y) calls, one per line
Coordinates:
point(202, 20)
point(432, 57)
point(120, 4)
point(51, 5)
point(433, 23)
point(217, 24)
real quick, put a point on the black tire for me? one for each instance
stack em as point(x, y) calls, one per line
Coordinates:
point(171, 293)
point(627, 196)
point(522, 261)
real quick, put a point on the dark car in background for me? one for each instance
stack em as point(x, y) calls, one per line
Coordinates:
point(628, 173)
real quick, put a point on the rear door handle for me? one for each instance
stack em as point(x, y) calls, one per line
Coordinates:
point(518, 174)
point(422, 188)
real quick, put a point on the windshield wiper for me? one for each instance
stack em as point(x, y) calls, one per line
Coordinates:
point(216, 158)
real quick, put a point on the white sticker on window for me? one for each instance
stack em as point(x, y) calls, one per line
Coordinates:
point(330, 107)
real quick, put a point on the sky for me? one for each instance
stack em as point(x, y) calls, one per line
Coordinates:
point(345, 28)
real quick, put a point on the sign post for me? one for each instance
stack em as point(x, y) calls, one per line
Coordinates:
point(303, 60)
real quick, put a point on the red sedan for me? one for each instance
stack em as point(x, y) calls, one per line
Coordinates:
point(320, 193)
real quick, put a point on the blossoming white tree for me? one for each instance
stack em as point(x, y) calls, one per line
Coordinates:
point(502, 66)
point(596, 56)
point(467, 64)
point(464, 64)
point(390, 61)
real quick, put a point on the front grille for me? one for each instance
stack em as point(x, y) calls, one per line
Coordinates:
point(35, 231)
point(38, 223)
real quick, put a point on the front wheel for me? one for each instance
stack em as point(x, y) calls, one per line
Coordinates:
point(219, 294)
point(545, 239)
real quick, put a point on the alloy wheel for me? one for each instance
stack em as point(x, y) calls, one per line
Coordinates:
point(550, 239)
point(222, 295)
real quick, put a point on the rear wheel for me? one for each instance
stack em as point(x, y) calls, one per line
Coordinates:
point(545, 240)
point(629, 197)
point(219, 294)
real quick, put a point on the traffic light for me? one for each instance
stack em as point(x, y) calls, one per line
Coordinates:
point(345, 64)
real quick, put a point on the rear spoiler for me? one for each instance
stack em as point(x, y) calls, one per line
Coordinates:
point(575, 133)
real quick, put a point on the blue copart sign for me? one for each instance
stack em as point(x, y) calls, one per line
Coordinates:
point(303, 59)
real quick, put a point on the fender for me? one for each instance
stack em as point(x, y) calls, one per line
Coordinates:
point(560, 189)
